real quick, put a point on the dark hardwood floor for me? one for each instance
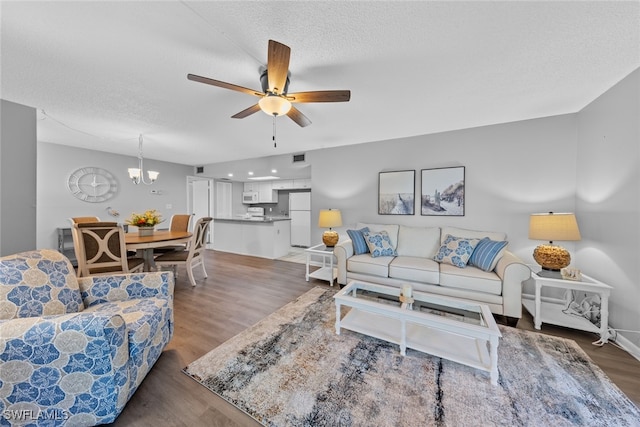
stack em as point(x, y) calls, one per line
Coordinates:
point(239, 292)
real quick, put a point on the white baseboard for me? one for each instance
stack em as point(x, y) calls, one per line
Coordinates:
point(628, 346)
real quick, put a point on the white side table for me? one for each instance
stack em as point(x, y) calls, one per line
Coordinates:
point(552, 311)
point(326, 271)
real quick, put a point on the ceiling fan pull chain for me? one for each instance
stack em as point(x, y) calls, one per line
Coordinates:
point(274, 131)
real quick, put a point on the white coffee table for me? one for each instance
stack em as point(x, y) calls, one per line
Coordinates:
point(457, 330)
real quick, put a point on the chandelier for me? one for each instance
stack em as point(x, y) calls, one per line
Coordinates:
point(137, 174)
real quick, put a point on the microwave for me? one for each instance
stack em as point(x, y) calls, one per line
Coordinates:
point(250, 197)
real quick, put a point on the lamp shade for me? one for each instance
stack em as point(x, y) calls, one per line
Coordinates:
point(553, 226)
point(329, 218)
point(274, 105)
point(134, 173)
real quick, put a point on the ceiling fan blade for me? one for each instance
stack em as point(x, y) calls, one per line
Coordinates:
point(277, 66)
point(320, 96)
point(246, 112)
point(224, 85)
point(295, 115)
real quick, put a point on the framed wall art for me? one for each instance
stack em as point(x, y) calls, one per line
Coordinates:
point(442, 191)
point(397, 193)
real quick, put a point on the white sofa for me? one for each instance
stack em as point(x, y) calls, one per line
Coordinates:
point(500, 289)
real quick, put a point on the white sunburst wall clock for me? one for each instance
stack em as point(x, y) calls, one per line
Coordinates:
point(92, 184)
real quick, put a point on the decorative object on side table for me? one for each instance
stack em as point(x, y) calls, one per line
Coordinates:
point(571, 274)
point(145, 221)
point(330, 218)
point(553, 226)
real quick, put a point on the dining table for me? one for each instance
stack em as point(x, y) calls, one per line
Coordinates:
point(160, 238)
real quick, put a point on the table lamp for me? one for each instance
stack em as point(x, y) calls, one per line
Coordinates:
point(553, 226)
point(329, 218)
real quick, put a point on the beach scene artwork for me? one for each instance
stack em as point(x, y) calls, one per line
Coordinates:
point(396, 193)
point(442, 191)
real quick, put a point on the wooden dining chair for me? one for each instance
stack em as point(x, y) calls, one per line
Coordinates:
point(101, 249)
point(179, 222)
point(193, 256)
point(74, 233)
point(81, 219)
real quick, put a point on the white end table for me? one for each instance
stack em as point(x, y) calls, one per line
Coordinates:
point(552, 311)
point(326, 271)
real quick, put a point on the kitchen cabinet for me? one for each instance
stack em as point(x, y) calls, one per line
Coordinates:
point(266, 239)
point(266, 193)
point(282, 184)
point(268, 190)
point(302, 183)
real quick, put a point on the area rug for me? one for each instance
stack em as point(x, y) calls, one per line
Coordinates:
point(291, 369)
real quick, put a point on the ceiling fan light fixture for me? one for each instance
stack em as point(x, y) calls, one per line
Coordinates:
point(274, 105)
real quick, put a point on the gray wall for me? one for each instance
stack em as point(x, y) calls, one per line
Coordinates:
point(511, 171)
point(17, 178)
point(608, 198)
point(56, 204)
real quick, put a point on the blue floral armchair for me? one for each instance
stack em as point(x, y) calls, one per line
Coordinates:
point(73, 351)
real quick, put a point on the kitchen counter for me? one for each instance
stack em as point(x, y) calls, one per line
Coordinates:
point(253, 219)
point(265, 237)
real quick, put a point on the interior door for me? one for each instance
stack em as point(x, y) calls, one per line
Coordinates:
point(200, 200)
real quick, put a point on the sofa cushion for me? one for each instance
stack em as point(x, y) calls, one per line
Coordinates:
point(487, 254)
point(456, 250)
point(416, 269)
point(418, 241)
point(470, 279)
point(379, 243)
point(471, 234)
point(357, 239)
point(391, 229)
point(367, 264)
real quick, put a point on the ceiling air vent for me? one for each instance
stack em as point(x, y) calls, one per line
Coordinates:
point(297, 158)
point(199, 169)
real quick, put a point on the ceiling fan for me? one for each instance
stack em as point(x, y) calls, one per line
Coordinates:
point(274, 98)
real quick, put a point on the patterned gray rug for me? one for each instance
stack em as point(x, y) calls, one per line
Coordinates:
point(291, 369)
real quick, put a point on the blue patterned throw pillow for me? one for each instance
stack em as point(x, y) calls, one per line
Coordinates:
point(379, 244)
point(487, 254)
point(456, 250)
point(359, 245)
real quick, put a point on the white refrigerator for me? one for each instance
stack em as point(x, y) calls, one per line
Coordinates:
point(300, 214)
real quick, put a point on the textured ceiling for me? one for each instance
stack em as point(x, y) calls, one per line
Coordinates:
point(104, 72)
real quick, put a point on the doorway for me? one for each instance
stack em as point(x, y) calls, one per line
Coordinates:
point(200, 200)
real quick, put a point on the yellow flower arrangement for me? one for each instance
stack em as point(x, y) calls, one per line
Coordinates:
point(150, 218)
